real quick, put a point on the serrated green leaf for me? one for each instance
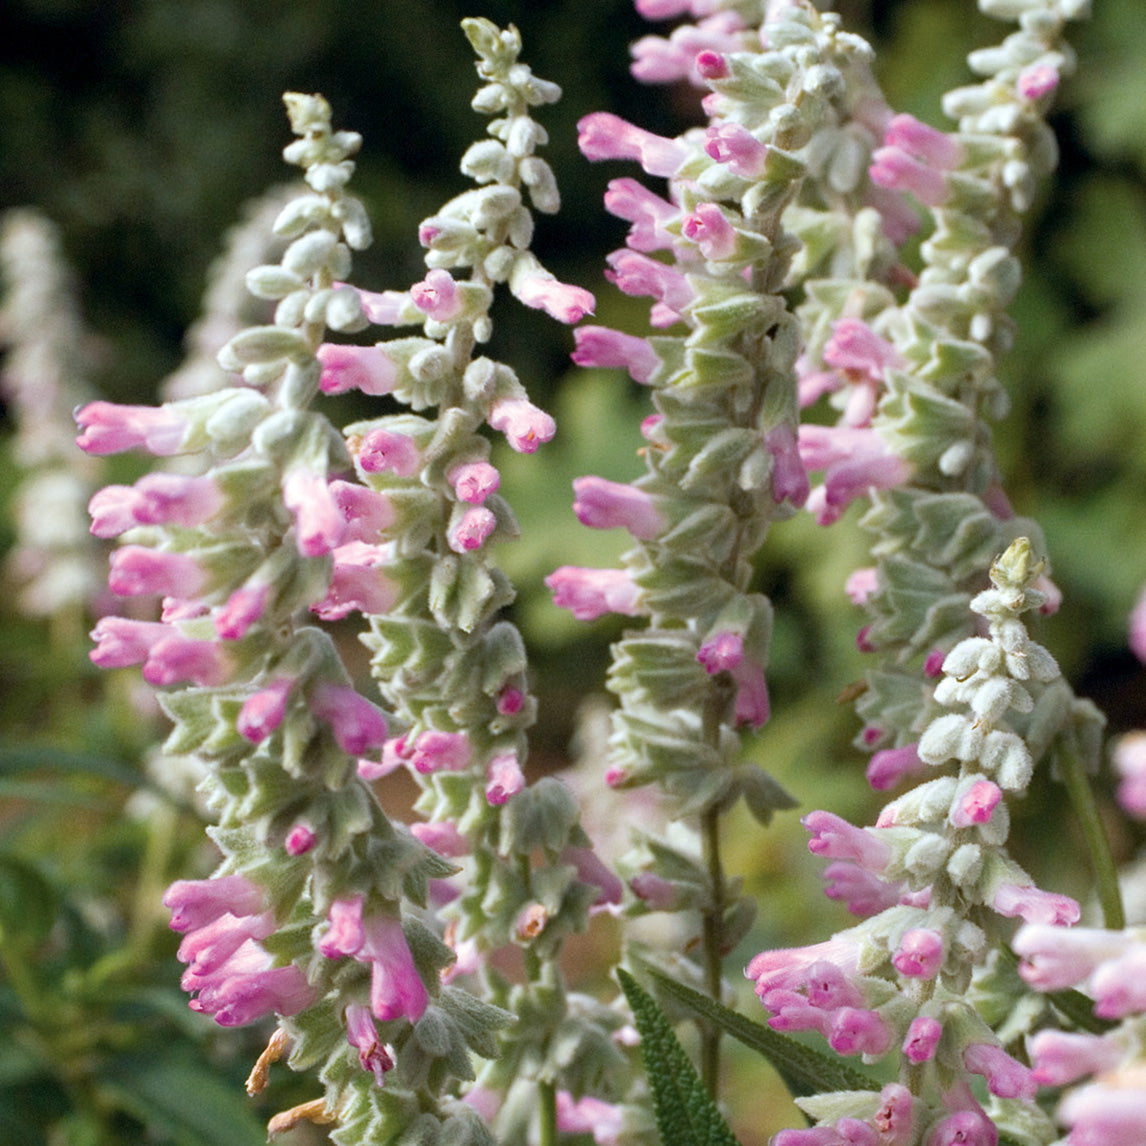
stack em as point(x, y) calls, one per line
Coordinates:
point(804, 1070)
point(685, 1112)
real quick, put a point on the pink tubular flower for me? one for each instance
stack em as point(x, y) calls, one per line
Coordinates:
point(602, 504)
point(787, 968)
point(922, 1038)
point(319, 525)
point(976, 805)
point(366, 512)
point(358, 725)
point(1105, 1115)
point(107, 428)
point(589, 1115)
point(657, 60)
point(383, 451)
point(568, 304)
point(861, 584)
point(362, 1035)
point(600, 346)
point(591, 870)
point(383, 308)
point(436, 751)
point(920, 953)
point(964, 1128)
point(721, 652)
point(1035, 905)
point(649, 214)
point(591, 593)
point(1006, 1076)
point(894, 169)
point(708, 227)
point(365, 368)
point(442, 837)
point(396, 989)
point(156, 499)
point(1062, 1057)
point(137, 571)
point(504, 778)
point(121, 641)
point(855, 462)
point(861, 891)
point(858, 1031)
point(1037, 81)
point(752, 705)
point(524, 425)
point(358, 582)
point(855, 348)
point(472, 529)
point(175, 659)
point(473, 482)
point(437, 296)
point(232, 976)
point(1054, 957)
point(264, 711)
point(656, 893)
point(738, 147)
point(886, 768)
point(1129, 758)
point(243, 608)
point(933, 663)
point(834, 837)
point(924, 142)
point(510, 701)
point(602, 135)
point(638, 274)
point(789, 478)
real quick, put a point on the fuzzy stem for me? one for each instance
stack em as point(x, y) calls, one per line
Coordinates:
point(1097, 844)
point(713, 948)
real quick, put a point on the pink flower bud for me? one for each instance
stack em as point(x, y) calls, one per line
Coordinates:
point(789, 478)
point(1037, 81)
point(383, 308)
point(721, 652)
point(857, 1031)
point(436, 751)
point(896, 170)
point(319, 526)
point(922, 1038)
point(886, 768)
point(656, 893)
point(708, 227)
point(362, 1034)
point(711, 65)
point(357, 724)
point(504, 778)
point(264, 711)
point(510, 701)
point(300, 839)
point(244, 607)
point(733, 144)
point(365, 368)
point(472, 529)
point(976, 805)
point(920, 953)
point(442, 837)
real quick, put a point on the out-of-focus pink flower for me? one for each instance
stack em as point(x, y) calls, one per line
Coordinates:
point(263, 711)
point(1062, 1057)
point(1037, 81)
point(107, 428)
point(721, 652)
point(365, 368)
point(1137, 631)
point(1035, 905)
point(358, 582)
point(660, 60)
point(861, 584)
point(1053, 957)
point(589, 1115)
point(443, 837)
point(504, 778)
point(366, 512)
point(319, 526)
point(357, 725)
point(789, 478)
point(300, 839)
point(175, 659)
point(591, 593)
point(886, 768)
point(602, 135)
point(436, 751)
point(924, 142)
point(855, 462)
point(524, 425)
point(1105, 1114)
point(895, 170)
point(122, 641)
point(138, 571)
point(1129, 758)
point(591, 870)
point(243, 608)
point(600, 346)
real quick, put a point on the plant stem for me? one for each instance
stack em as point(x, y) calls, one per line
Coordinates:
point(547, 1102)
point(1082, 799)
point(713, 924)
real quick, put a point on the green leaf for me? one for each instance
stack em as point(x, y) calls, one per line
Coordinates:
point(686, 1114)
point(804, 1070)
point(28, 903)
point(177, 1097)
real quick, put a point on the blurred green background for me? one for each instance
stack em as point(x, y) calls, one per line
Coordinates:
point(140, 127)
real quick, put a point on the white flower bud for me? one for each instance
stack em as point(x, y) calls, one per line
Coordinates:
point(1007, 756)
point(273, 282)
point(965, 865)
point(309, 253)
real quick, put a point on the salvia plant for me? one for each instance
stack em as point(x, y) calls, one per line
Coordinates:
point(830, 287)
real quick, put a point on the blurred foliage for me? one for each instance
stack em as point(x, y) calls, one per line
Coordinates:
point(140, 127)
